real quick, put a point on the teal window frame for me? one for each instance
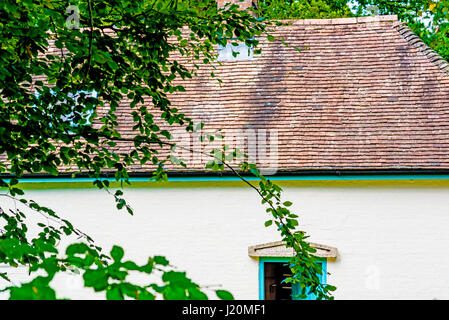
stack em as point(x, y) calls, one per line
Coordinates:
point(295, 287)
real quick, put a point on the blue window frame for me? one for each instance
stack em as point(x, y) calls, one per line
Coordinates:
point(295, 286)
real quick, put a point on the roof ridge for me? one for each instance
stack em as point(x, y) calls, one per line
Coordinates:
point(353, 20)
point(415, 41)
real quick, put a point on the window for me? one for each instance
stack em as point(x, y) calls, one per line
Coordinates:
point(273, 257)
point(240, 52)
point(272, 272)
point(85, 116)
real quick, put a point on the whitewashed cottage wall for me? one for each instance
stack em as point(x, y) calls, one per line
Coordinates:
point(392, 241)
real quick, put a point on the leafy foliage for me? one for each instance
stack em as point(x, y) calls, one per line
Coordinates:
point(50, 120)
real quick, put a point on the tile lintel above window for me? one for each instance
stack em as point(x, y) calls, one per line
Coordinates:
point(278, 249)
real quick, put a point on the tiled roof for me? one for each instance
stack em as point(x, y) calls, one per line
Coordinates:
point(365, 93)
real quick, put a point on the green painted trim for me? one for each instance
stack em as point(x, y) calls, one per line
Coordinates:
point(224, 179)
point(353, 181)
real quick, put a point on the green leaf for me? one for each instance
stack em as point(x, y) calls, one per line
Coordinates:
point(97, 279)
point(117, 253)
point(196, 294)
point(224, 295)
point(160, 260)
point(4, 276)
point(114, 293)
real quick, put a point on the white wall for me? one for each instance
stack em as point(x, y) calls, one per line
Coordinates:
point(392, 242)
